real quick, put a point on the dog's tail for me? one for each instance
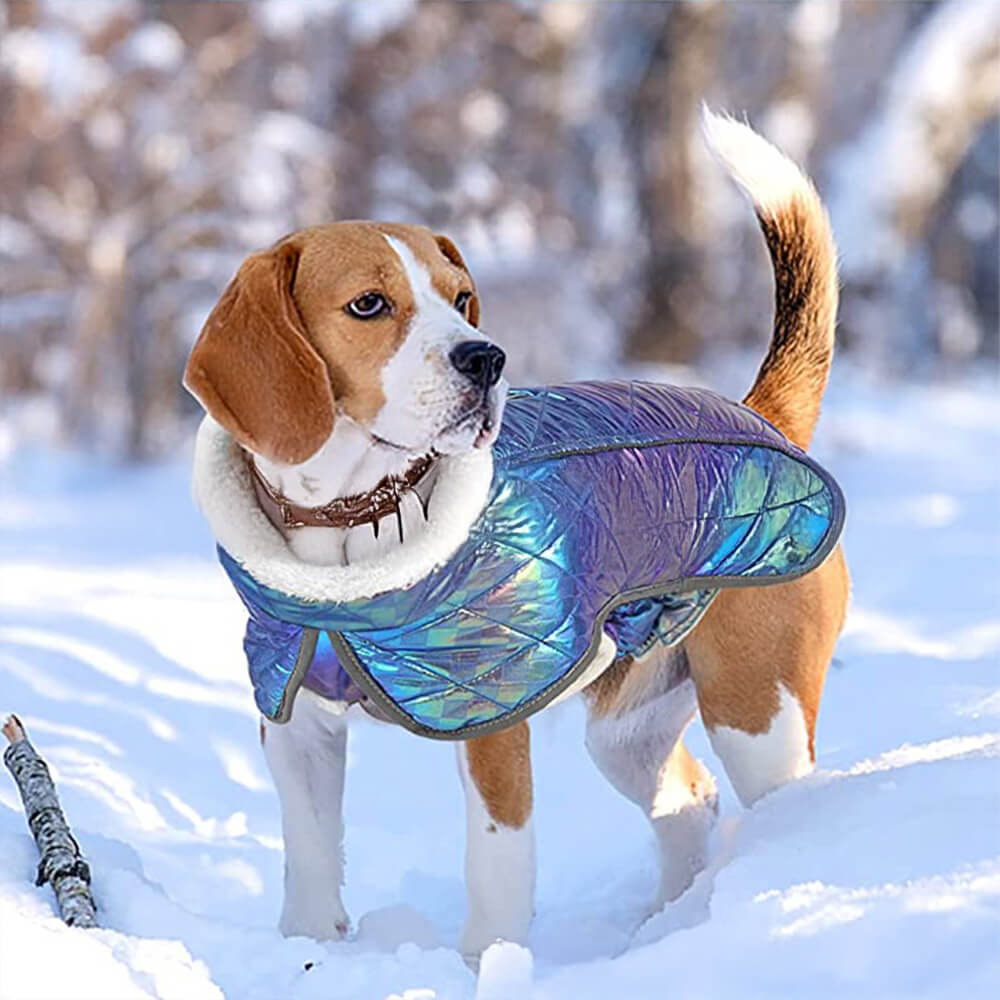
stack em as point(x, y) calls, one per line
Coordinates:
point(792, 377)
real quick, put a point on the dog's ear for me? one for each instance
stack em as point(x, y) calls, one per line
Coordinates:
point(451, 253)
point(253, 368)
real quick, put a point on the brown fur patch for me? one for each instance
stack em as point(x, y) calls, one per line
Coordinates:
point(254, 369)
point(500, 767)
point(789, 386)
point(754, 638)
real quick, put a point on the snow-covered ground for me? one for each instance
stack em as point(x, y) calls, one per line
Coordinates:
point(877, 877)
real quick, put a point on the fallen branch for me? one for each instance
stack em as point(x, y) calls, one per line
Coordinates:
point(61, 865)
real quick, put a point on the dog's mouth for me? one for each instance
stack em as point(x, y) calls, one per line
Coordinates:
point(479, 418)
point(483, 419)
point(475, 426)
point(478, 414)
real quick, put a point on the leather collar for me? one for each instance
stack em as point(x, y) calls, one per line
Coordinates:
point(343, 512)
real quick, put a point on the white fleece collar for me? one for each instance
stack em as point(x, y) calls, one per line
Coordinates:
point(224, 494)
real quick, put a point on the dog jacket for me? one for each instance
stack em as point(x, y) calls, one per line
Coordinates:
point(607, 509)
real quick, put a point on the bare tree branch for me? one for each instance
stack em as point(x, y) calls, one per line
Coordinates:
point(62, 864)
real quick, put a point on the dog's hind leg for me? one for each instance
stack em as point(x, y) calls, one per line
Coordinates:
point(638, 711)
point(306, 757)
point(758, 659)
point(500, 840)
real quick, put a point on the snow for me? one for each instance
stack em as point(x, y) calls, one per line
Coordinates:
point(815, 23)
point(505, 971)
point(16, 239)
point(291, 135)
point(899, 158)
point(366, 22)
point(483, 114)
point(54, 60)
point(154, 45)
point(91, 16)
point(877, 876)
point(24, 56)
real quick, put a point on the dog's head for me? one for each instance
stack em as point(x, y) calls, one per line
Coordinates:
point(373, 321)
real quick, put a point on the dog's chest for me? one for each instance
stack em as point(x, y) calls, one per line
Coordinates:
point(347, 465)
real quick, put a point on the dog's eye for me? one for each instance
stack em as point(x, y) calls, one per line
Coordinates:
point(462, 301)
point(368, 306)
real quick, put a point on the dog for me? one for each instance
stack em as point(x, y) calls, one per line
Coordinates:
point(347, 362)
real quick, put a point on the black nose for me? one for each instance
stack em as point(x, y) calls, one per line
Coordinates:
point(478, 360)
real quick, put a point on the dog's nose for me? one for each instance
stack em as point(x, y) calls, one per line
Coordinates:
point(478, 360)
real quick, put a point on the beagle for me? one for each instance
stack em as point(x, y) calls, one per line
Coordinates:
point(347, 364)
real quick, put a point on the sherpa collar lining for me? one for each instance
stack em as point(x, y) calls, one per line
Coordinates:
point(224, 493)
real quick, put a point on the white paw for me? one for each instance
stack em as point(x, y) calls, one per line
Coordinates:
point(331, 925)
point(506, 971)
point(684, 845)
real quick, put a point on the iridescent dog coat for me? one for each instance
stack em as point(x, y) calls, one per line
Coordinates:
point(606, 520)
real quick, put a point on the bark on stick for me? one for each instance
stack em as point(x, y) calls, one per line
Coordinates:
point(61, 865)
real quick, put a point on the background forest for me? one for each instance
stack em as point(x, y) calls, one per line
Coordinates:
point(147, 147)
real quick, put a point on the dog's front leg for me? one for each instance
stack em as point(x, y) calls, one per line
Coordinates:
point(500, 841)
point(306, 757)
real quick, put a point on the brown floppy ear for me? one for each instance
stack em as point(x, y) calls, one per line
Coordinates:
point(451, 253)
point(253, 369)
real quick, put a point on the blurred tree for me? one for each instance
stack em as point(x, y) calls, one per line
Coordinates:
point(679, 72)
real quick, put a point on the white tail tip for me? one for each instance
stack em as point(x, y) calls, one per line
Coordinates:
point(769, 178)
